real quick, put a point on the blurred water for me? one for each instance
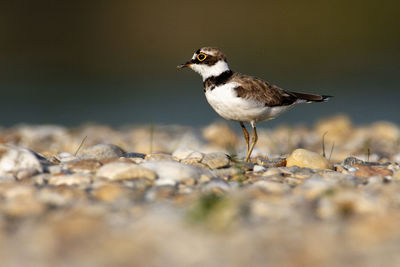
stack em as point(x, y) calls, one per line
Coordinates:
point(182, 102)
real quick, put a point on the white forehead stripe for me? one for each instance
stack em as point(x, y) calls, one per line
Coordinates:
point(208, 52)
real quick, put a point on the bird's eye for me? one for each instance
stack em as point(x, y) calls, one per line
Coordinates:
point(201, 56)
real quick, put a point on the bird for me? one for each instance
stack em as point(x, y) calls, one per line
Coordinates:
point(242, 98)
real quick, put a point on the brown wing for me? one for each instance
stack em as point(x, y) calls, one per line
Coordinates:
point(262, 91)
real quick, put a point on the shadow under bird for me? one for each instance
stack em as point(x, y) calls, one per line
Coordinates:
point(242, 98)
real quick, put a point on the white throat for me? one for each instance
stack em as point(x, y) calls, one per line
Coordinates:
point(208, 71)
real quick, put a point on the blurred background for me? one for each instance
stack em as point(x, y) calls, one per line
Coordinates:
point(113, 62)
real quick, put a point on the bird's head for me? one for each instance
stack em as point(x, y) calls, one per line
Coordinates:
point(208, 62)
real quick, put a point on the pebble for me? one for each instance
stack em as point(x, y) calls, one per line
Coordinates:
point(159, 157)
point(272, 172)
point(54, 169)
point(182, 154)
point(350, 161)
point(172, 172)
point(138, 184)
point(367, 171)
point(41, 179)
point(85, 165)
point(192, 161)
point(66, 157)
point(54, 198)
point(228, 172)
point(13, 159)
point(216, 160)
point(345, 203)
point(396, 176)
point(271, 187)
point(26, 173)
point(125, 171)
point(258, 168)
point(101, 152)
point(71, 179)
point(108, 193)
point(315, 187)
point(217, 186)
point(307, 159)
point(21, 201)
point(160, 192)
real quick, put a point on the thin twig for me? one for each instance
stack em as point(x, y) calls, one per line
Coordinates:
point(323, 145)
point(330, 154)
point(83, 141)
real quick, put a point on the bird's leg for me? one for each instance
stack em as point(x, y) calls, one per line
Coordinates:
point(246, 135)
point(254, 139)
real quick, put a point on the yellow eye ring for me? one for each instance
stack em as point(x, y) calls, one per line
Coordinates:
point(201, 56)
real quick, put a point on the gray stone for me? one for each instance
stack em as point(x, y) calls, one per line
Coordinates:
point(350, 161)
point(101, 151)
point(134, 155)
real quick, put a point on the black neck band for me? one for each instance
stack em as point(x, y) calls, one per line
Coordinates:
point(218, 80)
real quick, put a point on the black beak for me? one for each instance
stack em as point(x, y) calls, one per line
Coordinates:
point(187, 64)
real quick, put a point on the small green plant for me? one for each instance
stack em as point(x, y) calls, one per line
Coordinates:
point(204, 207)
point(81, 144)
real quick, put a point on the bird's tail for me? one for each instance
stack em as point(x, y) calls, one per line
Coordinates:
point(312, 97)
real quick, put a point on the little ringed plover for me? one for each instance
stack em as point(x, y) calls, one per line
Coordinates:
point(242, 98)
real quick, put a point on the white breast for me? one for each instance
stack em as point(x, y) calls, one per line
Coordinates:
point(228, 105)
